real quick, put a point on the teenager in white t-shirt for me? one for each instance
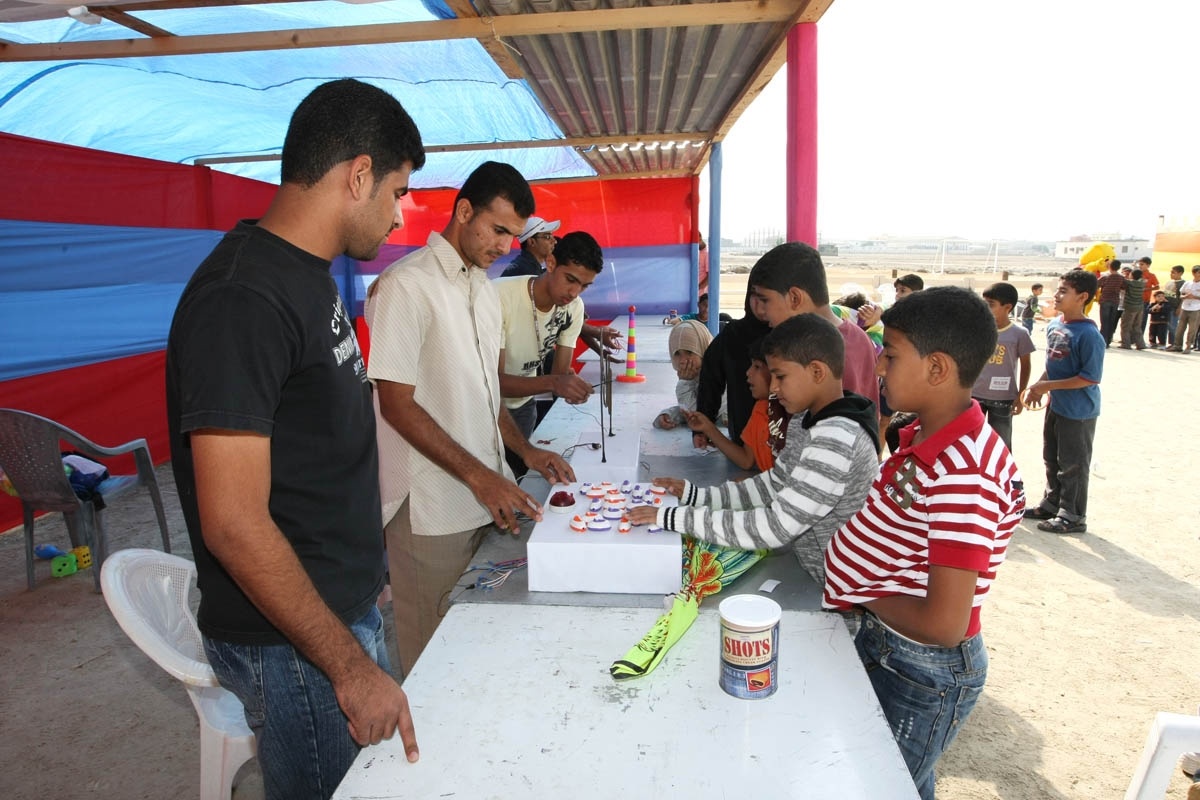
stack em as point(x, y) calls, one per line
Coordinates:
point(543, 316)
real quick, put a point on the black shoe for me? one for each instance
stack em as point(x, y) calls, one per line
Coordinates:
point(1037, 512)
point(1060, 525)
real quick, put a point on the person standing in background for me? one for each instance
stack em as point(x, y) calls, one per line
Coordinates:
point(1111, 284)
point(537, 243)
point(1032, 308)
point(1133, 312)
point(1189, 314)
point(1171, 291)
point(1152, 286)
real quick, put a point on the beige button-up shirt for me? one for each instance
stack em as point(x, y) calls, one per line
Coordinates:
point(435, 324)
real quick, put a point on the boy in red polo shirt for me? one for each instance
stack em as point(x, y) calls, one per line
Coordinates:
point(919, 557)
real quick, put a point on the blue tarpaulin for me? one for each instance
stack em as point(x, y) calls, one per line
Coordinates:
point(188, 107)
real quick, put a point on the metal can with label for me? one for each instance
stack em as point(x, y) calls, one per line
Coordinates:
point(749, 646)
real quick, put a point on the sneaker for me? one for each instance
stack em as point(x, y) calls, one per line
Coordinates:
point(1037, 512)
point(1060, 525)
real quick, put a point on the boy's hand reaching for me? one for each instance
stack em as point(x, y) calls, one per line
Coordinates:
point(869, 314)
point(642, 515)
point(674, 486)
point(698, 422)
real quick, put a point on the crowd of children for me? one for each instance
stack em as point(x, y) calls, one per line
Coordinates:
point(955, 369)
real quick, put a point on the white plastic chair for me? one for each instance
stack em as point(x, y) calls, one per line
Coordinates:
point(147, 592)
point(1171, 735)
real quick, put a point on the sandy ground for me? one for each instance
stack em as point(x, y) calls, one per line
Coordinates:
point(1089, 635)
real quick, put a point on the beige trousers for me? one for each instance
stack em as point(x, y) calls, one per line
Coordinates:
point(424, 570)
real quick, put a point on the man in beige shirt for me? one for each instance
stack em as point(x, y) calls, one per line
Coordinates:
point(435, 325)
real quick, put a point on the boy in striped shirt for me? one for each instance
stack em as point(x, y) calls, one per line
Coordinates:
point(819, 478)
point(919, 557)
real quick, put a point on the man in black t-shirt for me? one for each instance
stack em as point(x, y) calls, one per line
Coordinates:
point(273, 447)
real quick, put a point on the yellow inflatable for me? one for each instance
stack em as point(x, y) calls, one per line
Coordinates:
point(1096, 260)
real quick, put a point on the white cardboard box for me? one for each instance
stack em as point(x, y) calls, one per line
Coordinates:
point(638, 562)
point(615, 462)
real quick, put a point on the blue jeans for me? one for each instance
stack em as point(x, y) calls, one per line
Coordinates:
point(926, 692)
point(1028, 323)
point(304, 746)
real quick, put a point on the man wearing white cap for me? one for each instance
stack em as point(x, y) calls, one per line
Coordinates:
point(537, 243)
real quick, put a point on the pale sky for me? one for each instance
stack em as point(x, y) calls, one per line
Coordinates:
point(1001, 120)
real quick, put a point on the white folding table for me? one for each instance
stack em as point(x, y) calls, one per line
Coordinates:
point(515, 701)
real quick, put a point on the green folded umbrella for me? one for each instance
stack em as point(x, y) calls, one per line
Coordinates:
point(707, 569)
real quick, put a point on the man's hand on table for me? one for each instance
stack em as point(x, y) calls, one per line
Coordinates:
point(376, 707)
point(553, 467)
point(504, 500)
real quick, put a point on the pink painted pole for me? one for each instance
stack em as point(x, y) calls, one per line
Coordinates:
point(631, 373)
point(802, 133)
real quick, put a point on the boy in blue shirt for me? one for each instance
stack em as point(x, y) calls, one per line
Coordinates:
point(1074, 364)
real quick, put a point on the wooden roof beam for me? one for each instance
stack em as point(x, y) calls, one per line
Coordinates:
point(495, 48)
point(582, 142)
point(736, 12)
point(128, 21)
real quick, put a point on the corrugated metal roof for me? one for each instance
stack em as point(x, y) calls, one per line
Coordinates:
point(664, 91)
point(637, 87)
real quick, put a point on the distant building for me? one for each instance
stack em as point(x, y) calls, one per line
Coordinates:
point(1128, 250)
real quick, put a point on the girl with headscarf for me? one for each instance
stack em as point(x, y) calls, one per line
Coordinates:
point(688, 341)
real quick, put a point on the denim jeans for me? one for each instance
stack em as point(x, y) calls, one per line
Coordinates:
point(926, 692)
point(304, 746)
point(999, 415)
point(1028, 323)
